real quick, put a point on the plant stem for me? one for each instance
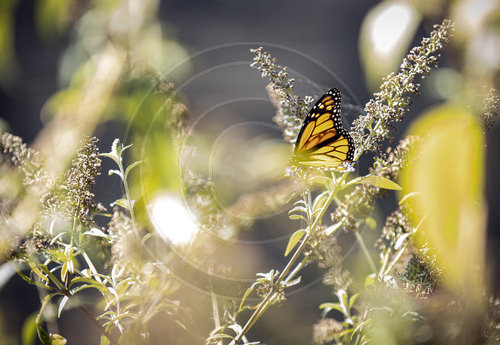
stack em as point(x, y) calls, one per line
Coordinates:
point(92, 319)
point(400, 253)
point(271, 294)
point(127, 191)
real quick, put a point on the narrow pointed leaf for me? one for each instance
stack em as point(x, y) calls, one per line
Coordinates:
point(97, 233)
point(320, 201)
point(116, 172)
point(297, 216)
point(249, 290)
point(331, 306)
point(63, 302)
point(294, 239)
point(131, 166)
point(401, 240)
point(331, 229)
point(112, 156)
point(380, 182)
point(370, 279)
point(353, 299)
point(123, 203)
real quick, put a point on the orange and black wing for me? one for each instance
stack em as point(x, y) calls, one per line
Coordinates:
point(322, 142)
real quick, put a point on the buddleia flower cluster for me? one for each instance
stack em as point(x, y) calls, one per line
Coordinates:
point(27, 238)
point(27, 160)
point(124, 242)
point(396, 225)
point(393, 100)
point(327, 331)
point(490, 109)
point(422, 274)
point(81, 181)
point(328, 256)
point(291, 110)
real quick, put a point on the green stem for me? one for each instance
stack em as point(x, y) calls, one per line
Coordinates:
point(272, 294)
point(400, 253)
point(129, 200)
point(395, 260)
point(384, 263)
point(127, 192)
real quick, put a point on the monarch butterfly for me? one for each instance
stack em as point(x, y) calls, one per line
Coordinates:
point(322, 142)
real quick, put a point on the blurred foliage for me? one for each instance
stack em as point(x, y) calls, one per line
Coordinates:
point(389, 29)
point(450, 199)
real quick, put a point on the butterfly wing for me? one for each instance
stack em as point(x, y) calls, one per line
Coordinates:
point(322, 142)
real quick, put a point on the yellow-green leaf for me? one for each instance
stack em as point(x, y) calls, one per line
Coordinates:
point(57, 339)
point(380, 182)
point(370, 280)
point(448, 174)
point(294, 239)
point(29, 330)
point(105, 340)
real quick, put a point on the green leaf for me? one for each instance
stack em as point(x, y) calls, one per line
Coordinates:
point(408, 196)
point(353, 299)
point(131, 166)
point(28, 332)
point(221, 336)
point(294, 239)
point(249, 290)
point(59, 235)
point(115, 172)
point(300, 202)
point(298, 209)
point(359, 326)
point(449, 175)
point(63, 302)
point(347, 331)
point(344, 301)
point(97, 233)
point(105, 340)
point(320, 201)
point(33, 282)
point(112, 156)
point(331, 229)
point(64, 271)
point(43, 335)
point(36, 270)
point(80, 288)
point(297, 216)
point(291, 282)
point(331, 306)
point(380, 182)
point(123, 203)
point(58, 339)
point(370, 222)
point(101, 287)
point(370, 279)
point(124, 148)
point(400, 240)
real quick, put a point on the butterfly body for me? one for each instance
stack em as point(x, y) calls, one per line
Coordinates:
point(322, 142)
